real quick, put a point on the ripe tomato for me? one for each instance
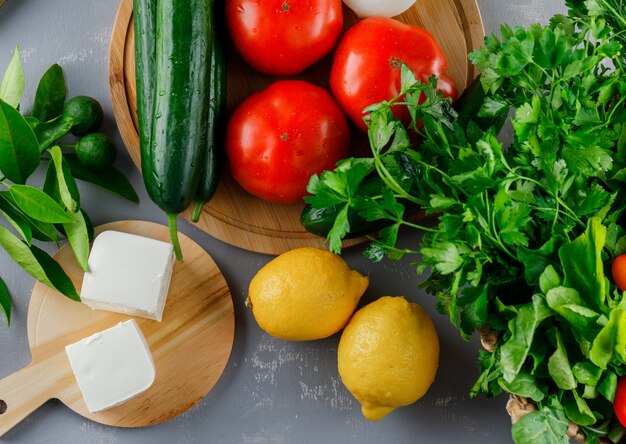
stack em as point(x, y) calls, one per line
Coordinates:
point(366, 68)
point(619, 403)
point(618, 270)
point(278, 138)
point(283, 37)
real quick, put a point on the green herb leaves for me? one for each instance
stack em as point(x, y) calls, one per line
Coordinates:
point(523, 232)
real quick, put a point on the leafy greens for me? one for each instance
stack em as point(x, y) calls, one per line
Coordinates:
point(524, 232)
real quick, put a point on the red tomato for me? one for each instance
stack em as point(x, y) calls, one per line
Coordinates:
point(366, 68)
point(619, 403)
point(283, 37)
point(278, 138)
point(618, 270)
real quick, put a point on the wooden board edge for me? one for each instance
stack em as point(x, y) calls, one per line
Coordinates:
point(474, 28)
point(117, 80)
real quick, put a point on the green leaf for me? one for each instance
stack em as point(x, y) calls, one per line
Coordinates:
point(605, 342)
point(20, 253)
point(445, 257)
point(568, 303)
point(5, 301)
point(549, 279)
point(487, 382)
point(50, 95)
point(545, 426)
point(583, 266)
point(559, 366)
point(42, 231)
point(577, 409)
point(525, 385)
point(19, 149)
point(12, 84)
point(49, 132)
point(407, 77)
point(38, 205)
point(474, 314)
point(88, 224)
point(340, 228)
point(78, 236)
point(608, 386)
point(55, 274)
point(19, 224)
point(64, 180)
point(587, 373)
point(110, 179)
point(536, 261)
point(523, 328)
point(588, 161)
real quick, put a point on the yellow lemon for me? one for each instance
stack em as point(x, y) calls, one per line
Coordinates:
point(305, 294)
point(388, 355)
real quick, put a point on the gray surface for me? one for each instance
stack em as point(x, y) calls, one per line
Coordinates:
point(271, 391)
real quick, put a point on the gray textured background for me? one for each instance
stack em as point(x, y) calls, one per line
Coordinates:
point(271, 391)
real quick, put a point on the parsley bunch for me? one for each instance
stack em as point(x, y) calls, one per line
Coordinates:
point(523, 232)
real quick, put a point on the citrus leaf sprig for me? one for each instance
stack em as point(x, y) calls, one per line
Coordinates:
point(52, 213)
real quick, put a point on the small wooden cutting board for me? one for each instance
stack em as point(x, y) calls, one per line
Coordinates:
point(190, 347)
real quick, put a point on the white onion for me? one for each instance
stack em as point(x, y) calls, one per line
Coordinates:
point(378, 8)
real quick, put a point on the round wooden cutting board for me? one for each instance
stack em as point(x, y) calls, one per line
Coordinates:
point(233, 215)
point(190, 347)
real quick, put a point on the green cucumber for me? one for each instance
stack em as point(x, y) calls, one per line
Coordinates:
point(217, 117)
point(173, 156)
point(144, 18)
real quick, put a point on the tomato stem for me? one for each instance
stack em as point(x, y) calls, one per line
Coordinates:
point(395, 63)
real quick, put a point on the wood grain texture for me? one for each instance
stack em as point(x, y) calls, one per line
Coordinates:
point(190, 347)
point(233, 215)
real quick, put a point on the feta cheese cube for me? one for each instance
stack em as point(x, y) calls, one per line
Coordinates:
point(112, 366)
point(128, 274)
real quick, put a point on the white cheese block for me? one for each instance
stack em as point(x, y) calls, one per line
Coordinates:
point(112, 366)
point(128, 274)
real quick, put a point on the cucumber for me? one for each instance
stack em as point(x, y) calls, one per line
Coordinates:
point(172, 156)
point(217, 116)
point(144, 18)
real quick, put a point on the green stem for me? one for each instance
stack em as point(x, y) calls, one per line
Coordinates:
point(67, 145)
point(418, 227)
point(390, 180)
point(615, 13)
point(171, 222)
point(197, 211)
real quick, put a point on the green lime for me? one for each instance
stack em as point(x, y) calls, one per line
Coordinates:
point(96, 151)
point(87, 113)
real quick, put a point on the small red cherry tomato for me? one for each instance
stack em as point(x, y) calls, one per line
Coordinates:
point(619, 403)
point(618, 270)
